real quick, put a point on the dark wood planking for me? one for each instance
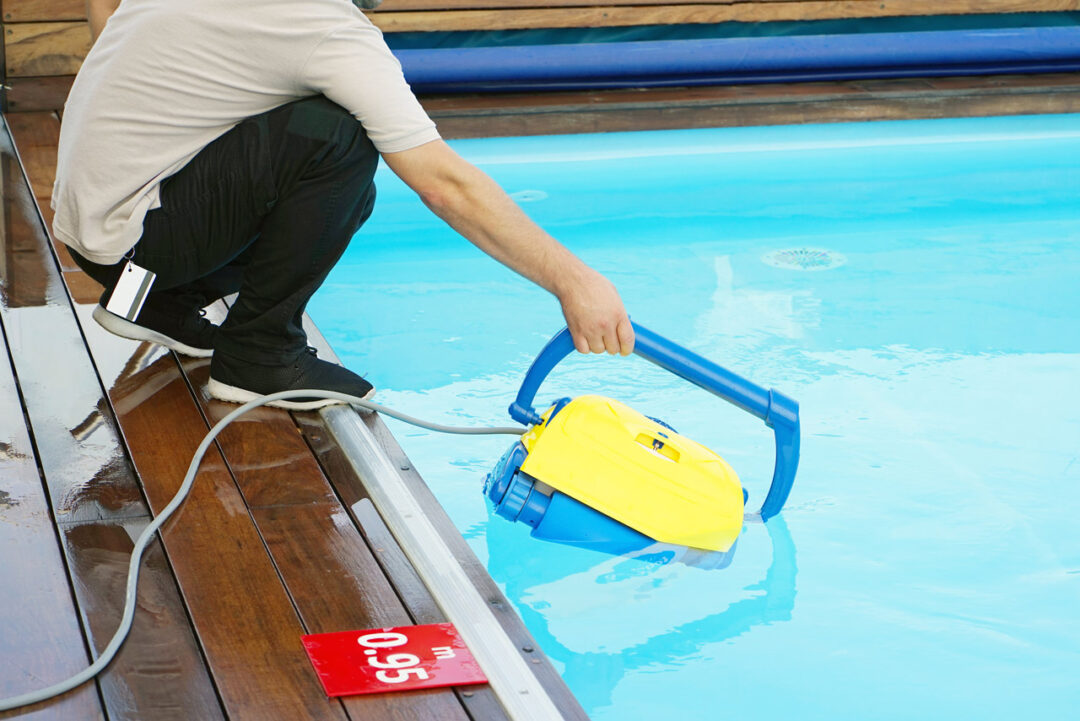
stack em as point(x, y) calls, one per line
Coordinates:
point(265, 453)
point(24, 285)
point(35, 94)
point(742, 105)
point(159, 673)
point(38, 135)
point(244, 619)
point(83, 288)
point(760, 93)
point(40, 640)
point(331, 576)
point(347, 591)
point(84, 462)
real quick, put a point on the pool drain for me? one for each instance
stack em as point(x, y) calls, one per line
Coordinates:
point(804, 259)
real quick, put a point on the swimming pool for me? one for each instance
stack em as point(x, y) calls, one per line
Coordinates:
point(914, 285)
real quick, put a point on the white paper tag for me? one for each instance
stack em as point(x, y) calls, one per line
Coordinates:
point(130, 292)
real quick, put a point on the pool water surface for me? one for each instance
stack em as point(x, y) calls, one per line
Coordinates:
point(914, 285)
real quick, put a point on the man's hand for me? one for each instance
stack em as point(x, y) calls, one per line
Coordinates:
point(595, 314)
point(480, 210)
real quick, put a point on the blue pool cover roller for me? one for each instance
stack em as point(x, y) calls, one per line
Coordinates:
point(779, 412)
point(743, 60)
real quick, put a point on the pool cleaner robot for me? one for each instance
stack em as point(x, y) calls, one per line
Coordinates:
point(594, 473)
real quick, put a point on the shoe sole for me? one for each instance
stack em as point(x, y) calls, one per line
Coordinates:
point(126, 329)
point(232, 394)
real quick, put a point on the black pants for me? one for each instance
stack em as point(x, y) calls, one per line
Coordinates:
point(266, 210)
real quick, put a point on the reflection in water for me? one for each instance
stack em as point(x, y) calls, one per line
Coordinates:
point(756, 315)
point(594, 673)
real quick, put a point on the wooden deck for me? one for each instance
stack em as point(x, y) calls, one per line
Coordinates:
point(473, 116)
point(96, 436)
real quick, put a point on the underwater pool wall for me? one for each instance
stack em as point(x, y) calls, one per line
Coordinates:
point(743, 60)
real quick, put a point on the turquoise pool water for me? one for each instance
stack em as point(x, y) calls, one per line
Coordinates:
point(928, 562)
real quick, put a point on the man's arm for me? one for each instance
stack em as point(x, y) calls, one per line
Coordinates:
point(98, 11)
point(475, 206)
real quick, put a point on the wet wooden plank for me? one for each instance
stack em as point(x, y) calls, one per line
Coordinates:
point(349, 594)
point(244, 619)
point(330, 574)
point(40, 639)
point(159, 673)
point(84, 462)
point(38, 135)
point(24, 286)
point(83, 288)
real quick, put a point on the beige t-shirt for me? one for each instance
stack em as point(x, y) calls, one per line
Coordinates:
point(167, 77)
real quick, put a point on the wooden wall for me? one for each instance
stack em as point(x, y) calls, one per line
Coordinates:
point(46, 40)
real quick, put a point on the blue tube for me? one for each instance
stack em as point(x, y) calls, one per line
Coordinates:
point(734, 60)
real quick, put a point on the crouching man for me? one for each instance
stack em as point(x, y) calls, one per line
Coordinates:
point(229, 146)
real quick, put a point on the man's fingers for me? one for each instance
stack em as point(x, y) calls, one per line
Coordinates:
point(592, 342)
point(611, 341)
point(616, 341)
point(625, 333)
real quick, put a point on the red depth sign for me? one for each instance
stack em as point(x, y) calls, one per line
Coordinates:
point(392, 659)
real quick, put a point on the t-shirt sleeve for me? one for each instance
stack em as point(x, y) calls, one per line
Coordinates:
point(353, 67)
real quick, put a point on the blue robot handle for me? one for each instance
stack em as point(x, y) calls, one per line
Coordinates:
point(779, 412)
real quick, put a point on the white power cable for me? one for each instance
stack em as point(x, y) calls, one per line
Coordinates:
point(147, 535)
